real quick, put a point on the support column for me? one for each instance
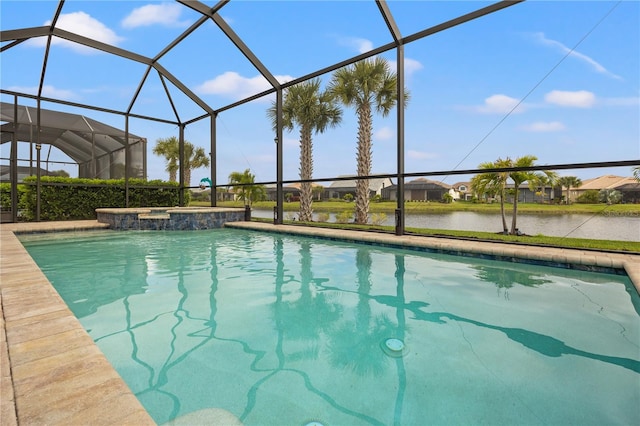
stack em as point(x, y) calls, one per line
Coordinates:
point(279, 212)
point(127, 161)
point(38, 173)
point(13, 163)
point(212, 155)
point(181, 164)
point(400, 126)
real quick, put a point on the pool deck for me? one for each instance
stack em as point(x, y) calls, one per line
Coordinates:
point(52, 373)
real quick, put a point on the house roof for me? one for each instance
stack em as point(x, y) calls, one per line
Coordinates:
point(459, 184)
point(423, 183)
point(426, 183)
point(374, 184)
point(605, 182)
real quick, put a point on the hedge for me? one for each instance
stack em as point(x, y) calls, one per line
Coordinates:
point(63, 198)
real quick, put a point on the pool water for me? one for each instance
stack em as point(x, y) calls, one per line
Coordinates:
point(288, 330)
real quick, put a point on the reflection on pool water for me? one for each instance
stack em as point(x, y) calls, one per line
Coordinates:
point(290, 330)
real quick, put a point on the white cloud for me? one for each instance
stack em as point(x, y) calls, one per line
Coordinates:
point(82, 24)
point(166, 14)
point(234, 86)
point(384, 133)
point(410, 66)
point(360, 45)
point(500, 104)
point(419, 155)
point(541, 126)
point(540, 37)
point(577, 99)
point(47, 91)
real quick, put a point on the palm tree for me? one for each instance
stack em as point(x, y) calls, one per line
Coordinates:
point(543, 179)
point(241, 183)
point(569, 182)
point(534, 179)
point(636, 173)
point(366, 85)
point(169, 149)
point(313, 111)
point(518, 178)
point(194, 158)
point(493, 184)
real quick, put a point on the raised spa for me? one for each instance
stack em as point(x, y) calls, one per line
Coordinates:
point(170, 218)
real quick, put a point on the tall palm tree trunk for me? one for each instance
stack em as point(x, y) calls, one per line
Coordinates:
point(306, 172)
point(515, 210)
point(504, 219)
point(365, 127)
point(187, 176)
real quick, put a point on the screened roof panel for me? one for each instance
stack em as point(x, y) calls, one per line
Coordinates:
point(73, 134)
point(213, 74)
point(291, 45)
point(415, 16)
point(467, 74)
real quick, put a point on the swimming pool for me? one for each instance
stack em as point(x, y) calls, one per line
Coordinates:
point(290, 330)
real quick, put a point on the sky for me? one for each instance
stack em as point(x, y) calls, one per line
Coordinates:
point(559, 80)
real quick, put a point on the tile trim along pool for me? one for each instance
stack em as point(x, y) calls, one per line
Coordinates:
point(53, 373)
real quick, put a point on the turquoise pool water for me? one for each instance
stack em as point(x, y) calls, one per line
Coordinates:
point(283, 330)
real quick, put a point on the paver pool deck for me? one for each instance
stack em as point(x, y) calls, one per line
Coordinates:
point(51, 371)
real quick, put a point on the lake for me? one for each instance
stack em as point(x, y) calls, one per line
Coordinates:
point(600, 226)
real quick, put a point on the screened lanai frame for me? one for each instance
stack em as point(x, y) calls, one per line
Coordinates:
point(15, 37)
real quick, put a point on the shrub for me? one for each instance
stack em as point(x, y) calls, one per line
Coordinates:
point(378, 218)
point(5, 196)
point(348, 197)
point(323, 217)
point(344, 216)
point(610, 196)
point(64, 198)
point(590, 196)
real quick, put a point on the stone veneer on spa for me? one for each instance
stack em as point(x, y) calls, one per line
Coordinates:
point(170, 218)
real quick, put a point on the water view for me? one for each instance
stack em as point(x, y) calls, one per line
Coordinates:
point(603, 227)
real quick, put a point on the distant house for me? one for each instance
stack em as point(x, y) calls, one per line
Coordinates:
point(339, 188)
point(628, 187)
point(535, 195)
point(420, 189)
point(294, 191)
point(462, 191)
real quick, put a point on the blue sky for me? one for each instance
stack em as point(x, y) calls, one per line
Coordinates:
point(556, 79)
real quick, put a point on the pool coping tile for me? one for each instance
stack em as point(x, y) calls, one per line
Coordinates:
point(52, 372)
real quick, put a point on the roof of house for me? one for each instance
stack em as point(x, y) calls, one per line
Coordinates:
point(605, 182)
point(423, 183)
point(374, 184)
point(459, 184)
